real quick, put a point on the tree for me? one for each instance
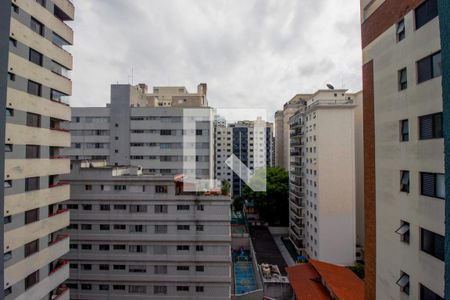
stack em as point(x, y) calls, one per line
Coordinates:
point(273, 204)
point(225, 187)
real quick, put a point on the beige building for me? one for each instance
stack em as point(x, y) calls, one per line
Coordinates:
point(37, 88)
point(325, 195)
point(282, 135)
point(404, 150)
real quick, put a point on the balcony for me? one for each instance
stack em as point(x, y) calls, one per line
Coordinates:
point(58, 239)
point(62, 293)
point(47, 284)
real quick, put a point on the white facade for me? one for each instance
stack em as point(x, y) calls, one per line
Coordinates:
point(323, 183)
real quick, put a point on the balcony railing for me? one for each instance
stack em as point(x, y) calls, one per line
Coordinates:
point(61, 183)
point(58, 212)
point(60, 292)
point(58, 266)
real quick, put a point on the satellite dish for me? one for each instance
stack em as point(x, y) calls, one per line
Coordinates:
point(330, 86)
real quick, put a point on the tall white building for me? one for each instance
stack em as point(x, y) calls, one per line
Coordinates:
point(34, 87)
point(323, 184)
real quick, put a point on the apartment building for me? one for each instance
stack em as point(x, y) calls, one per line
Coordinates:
point(282, 131)
point(136, 236)
point(36, 87)
point(323, 185)
point(147, 129)
point(250, 141)
point(404, 149)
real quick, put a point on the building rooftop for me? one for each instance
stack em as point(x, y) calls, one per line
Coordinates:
point(320, 280)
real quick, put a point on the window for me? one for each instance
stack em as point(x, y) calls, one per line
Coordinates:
point(7, 219)
point(72, 206)
point(401, 30)
point(432, 185)
point(426, 12)
point(182, 288)
point(72, 286)
point(198, 132)
point(32, 216)
point(404, 130)
point(138, 228)
point(120, 226)
point(427, 294)
point(430, 126)
point(73, 266)
point(87, 207)
point(403, 231)
point(37, 26)
point(183, 227)
point(31, 279)
point(402, 79)
point(182, 268)
point(182, 247)
point(200, 207)
point(86, 227)
point(429, 67)
point(103, 287)
point(103, 267)
point(12, 42)
point(105, 207)
point(160, 228)
point(11, 76)
point(8, 148)
point(160, 209)
point(86, 247)
point(120, 187)
point(119, 287)
point(9, 112)
point(33, 120)
point(199, 228)
point(137, 289)
point(32, 151)
point(137, 248)
point(200, 268)
point(120, 207)
point(432, 243)
point(73, 246)
point(103, 247)
point(86, 286)
point(160, 269)
point(59, 96)
point(41, 2)
point(404, 181)
point(119, 247)
point(31, 248)
point(119, 267)
point(199, 248)
point(403, 282)
point(86, 267)
point(72, 226)
point(199, 289)
point(138, 208)
point(182, 207)
point(35, 57)
point(137, 269)
point(165, 132)
point(159, 289)
point(160, 189)
point(104, 227)
point(14, 8)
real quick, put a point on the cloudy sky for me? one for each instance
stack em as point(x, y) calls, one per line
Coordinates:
point(251, 53)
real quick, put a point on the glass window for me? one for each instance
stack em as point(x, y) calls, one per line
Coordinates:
point(31, 279)
point(35, 57)
point(37, 26)
point(430, 126)
point(404, 130)
point(32, 151)
point(427, 294)
point(403, 231)
point(432, 243)
point(34, 88)
point(31, 248)
point(432, 185)
point(403, 282)
point(426, 12)
point(401, 30)
point(404, 181)
point(31, 184)
point(160, 289)
point(402, 80)
point(429, 67)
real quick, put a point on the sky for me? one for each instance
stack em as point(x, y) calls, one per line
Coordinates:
point(251, 53)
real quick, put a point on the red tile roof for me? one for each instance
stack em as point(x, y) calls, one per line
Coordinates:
point(306, 283)
point(306, 280)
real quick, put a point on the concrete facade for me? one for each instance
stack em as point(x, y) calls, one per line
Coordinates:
point(38, 85)
point(136, 236)
point(145, 129)
point(404, 171)
point(323, 186)
point(254, 149)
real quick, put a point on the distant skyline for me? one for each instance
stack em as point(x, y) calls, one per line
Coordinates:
point(252, 54)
